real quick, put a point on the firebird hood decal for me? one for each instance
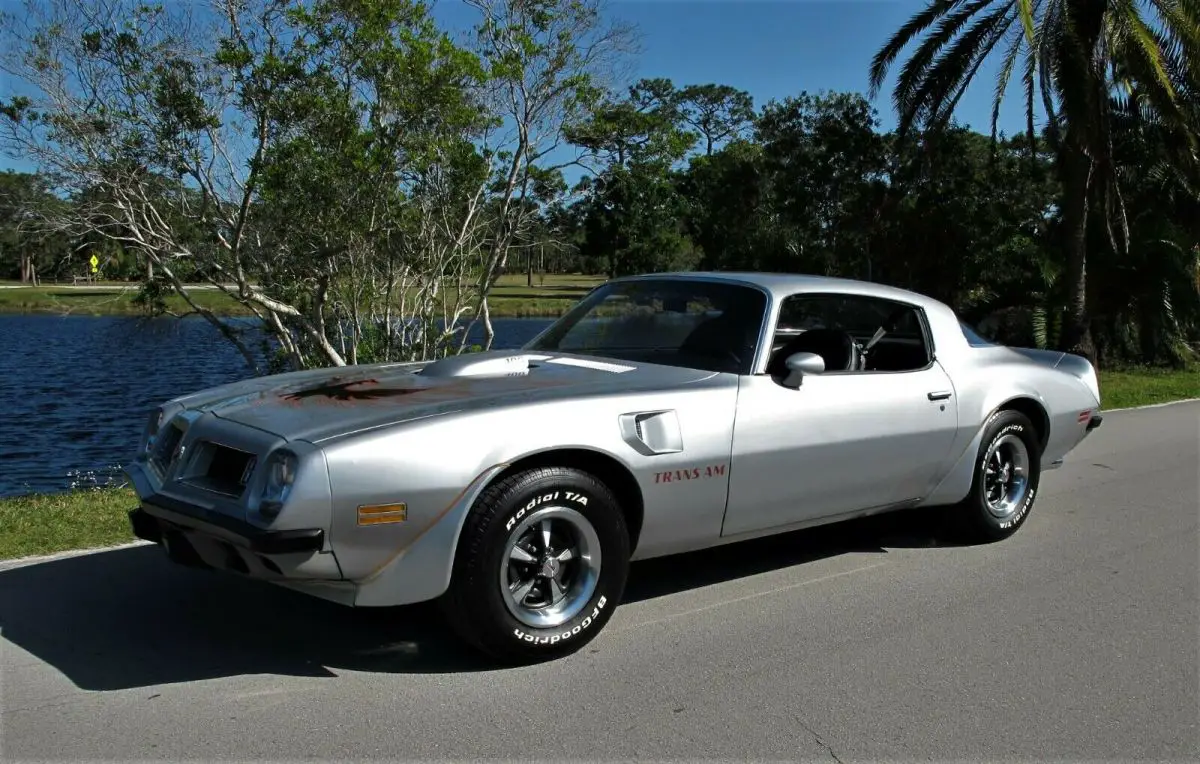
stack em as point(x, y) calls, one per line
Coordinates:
point(351, 390)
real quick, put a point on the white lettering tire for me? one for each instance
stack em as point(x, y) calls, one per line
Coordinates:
point(541, 564)
point(1006, 478)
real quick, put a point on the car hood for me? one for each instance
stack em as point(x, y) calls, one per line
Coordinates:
point(323, 404)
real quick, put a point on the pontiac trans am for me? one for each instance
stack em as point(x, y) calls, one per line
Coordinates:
point(663, 413)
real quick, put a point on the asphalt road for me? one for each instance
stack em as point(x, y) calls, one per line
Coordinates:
point(1076, 639)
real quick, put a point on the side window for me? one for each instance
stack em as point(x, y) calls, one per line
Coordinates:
point(842, 329)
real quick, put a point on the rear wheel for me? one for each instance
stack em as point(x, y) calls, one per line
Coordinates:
point(1007, 474)
point(541, 564)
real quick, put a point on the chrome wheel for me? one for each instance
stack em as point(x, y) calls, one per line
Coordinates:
point(1006, 475)
point(550, 567)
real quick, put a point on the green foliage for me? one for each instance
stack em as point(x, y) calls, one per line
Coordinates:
point(340, 168)
point(361, 182)
point(1078, 56)
point(816, 188)
point(29, 246)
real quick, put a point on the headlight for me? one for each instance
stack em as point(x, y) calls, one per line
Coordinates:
point(281, 474)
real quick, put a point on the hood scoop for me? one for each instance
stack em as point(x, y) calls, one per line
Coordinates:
point(476, 365)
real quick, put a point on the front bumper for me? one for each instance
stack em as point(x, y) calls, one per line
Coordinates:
point(153, 517)
point(208, 540)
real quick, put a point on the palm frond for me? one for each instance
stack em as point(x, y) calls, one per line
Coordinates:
point(916, 70)
point(1140, 53)
point(1005, 76)
point(993, 29)
point(1183, 19)
point(1028, 82)
point(1048, 42)
point(953, 68)
point(883, 60)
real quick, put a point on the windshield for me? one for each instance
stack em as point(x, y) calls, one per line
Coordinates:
point(677, 322)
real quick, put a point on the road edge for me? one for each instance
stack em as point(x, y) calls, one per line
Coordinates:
point(1151, 405)
point(20, 562)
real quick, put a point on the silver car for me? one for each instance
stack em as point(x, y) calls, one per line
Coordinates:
point(664, 413)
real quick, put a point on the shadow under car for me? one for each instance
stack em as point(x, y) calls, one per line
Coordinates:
point(130, 618)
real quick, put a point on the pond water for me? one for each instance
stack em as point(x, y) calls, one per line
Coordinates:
point(74, 389)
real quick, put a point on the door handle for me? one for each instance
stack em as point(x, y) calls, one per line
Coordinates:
point(941, 395)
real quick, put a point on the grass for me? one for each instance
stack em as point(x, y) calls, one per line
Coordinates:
point(97, 300)
point(550, 296)
point(1124, 388)
point(47, 523)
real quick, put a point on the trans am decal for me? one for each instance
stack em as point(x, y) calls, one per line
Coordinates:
point(691, 473)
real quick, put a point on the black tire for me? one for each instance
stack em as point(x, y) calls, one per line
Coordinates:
point(474, 605)
point(973, 515)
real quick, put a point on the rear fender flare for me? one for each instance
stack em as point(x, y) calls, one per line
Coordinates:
point(957, 483)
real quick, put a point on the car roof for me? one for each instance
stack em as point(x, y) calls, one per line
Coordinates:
point(781, 285)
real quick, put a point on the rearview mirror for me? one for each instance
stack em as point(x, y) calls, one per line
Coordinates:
point(799, 364)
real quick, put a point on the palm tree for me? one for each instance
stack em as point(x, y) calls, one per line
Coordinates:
point(1074, 54)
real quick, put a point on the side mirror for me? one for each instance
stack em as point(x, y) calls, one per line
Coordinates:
point(800, 364)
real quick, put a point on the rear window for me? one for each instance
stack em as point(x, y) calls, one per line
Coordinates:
point(973, 337)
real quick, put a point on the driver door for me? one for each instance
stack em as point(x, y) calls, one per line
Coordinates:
point(842, 442)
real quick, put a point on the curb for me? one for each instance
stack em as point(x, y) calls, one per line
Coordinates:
point(20, 562)
point(1152, 405)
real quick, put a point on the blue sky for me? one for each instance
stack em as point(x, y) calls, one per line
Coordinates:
point(776, 48)
point(770, 48)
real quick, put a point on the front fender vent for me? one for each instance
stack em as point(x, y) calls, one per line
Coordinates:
point(652, 432)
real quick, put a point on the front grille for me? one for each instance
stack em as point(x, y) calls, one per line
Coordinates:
point(221, 469)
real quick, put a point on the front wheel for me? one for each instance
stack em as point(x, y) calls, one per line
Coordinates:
point(1007, 474)
point(541, 564)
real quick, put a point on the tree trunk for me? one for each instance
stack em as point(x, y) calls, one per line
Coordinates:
point(489, 332)
point(1075, 168)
